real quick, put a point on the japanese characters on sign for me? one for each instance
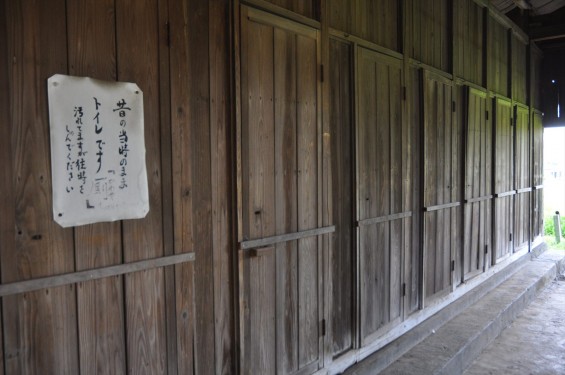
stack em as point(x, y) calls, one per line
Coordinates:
point(97, 150)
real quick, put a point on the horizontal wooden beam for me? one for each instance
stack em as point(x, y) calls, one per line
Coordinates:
point(524, 190)
point(441, 206)
point(382, 219)
point(505, 194)
point(478, 199)
point(280, 11)
point(267, 241)
point(538, 187)
point(92, 274)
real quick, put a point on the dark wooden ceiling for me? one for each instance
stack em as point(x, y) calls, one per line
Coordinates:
point(542, 20)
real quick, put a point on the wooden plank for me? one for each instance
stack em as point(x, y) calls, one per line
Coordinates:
point(259, 332)
point(365, 135)
point(220, 151)
point(69, 279)
point(504, 155)
point(341, 130)
point(7, 220)
point(100, 303)
point(42, 334)
point(286, 194)
point(396, 144)
point(412, 268)
point(307, 9)
point(199, 119)
point(267, 241)
point(259, 16)
point(167, 190)
point(138, 61)
point(519, 70)
point(442, 206)
point(505, 194)
point(182, 195)
point(479, 199)
point(382, 159)
point(382, 219)
point(307, 162)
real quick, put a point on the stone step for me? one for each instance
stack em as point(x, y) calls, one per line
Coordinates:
point(455, 338)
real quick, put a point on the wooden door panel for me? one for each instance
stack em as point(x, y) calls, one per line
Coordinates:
point(382, 222)
point(522, 177)
point(477, 185)
point(537, 174)
point(504, 179)
point(281, 285)
point(442, 156)
point(342, 260)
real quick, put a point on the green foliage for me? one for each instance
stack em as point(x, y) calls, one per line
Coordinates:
point(548, 227)
point(549, 233)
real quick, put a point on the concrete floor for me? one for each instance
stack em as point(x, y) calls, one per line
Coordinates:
point(534, 343)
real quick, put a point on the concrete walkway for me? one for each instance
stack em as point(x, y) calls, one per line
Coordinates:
point(534, 343)
point(480, 338)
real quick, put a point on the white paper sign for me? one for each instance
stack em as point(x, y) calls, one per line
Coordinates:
point(97, 150)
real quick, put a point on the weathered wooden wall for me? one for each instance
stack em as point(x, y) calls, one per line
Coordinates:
point(367, 164)
point(441, 171)
point(497, 57)
point(343, 200)
point(469, 38)
point(430, 35)
point(177, 319)
point(376, 21)
point(519, 70)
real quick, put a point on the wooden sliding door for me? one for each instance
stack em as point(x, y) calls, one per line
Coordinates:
point(442, 157)
point(477, 181)
point(280, 234)
point(503, 179)
point(383, 179)
point(522, 177)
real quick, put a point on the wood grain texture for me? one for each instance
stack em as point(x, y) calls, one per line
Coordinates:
point(7, 224)
point(259, 283)
point(373, 20)
point(504, 177)
point(199, 118)
point(537, 173)
point(379, 157)
point(138, 61)
point(307, 200)
point(341, 123)
point(519, 70)
point(441, 171)
point(430, 32)
point(522, 176)
point(536, 58)
point(220, 152)
point(181, 150)
point(477, 183)
point(167, 208)
point(280, 180)
point(41, 334)
point(504, 146)
point(413, 121)
point(468, 40)
point(497, 57)
point(286, 195)
point(306, 8)
point(92, 52)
